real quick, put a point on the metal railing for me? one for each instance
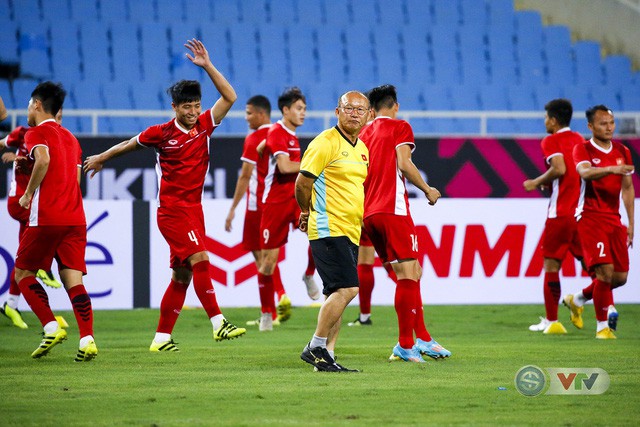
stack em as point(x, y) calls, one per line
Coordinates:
point(628, 122)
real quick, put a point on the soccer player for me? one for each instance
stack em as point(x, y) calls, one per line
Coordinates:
point(20, 178)
point(280, 208)
point(330, 193)
point(57, 225)
point(561, 230)
point(251, 181)
point(606, 169)
point(388, 222)
point(182, 147)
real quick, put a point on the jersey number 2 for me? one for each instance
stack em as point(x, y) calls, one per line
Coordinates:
point(600, 245)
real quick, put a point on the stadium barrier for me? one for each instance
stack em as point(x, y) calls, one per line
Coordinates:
point(473, 251)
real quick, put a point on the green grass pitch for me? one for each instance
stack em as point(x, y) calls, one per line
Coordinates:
point(259, 379)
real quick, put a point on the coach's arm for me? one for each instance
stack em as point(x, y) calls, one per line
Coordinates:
point(304, 184)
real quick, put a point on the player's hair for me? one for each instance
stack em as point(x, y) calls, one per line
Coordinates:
point(261, 102)
point(561, 110)
point(289, 97)
point(591, 112)
point(185, 91)
point(51, 95)
point(384, 96)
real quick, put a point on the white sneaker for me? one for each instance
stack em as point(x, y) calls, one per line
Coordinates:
point(540, 326)
point(312, 288)
point(266, 322)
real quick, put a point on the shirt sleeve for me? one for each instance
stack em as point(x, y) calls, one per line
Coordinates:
point(628, 159)
point(277, 143)
point(404, 135)
point(151, 136)
point(33, 139)
point(550, 149)
point(206, 119)
point(316, 157)
point(580, 155)
point(249, 151)
point(16, 137)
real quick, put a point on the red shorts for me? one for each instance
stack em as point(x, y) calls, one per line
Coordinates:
point(40, 245)
point(364, 238)
point(561, 235)
point(394, 237)
point(604, 241)
point(251, 231)
point(16, 211)
point(183, 229)
point(274, 226)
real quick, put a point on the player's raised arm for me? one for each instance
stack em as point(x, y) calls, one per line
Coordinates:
point(200, 57)
point(94, 164)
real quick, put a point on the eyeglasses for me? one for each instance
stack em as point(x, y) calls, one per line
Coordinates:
point(349, 110)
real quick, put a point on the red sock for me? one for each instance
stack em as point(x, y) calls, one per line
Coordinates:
point(204, 289)
point(311, 265)
point(419, 327)
point(171, 305)
point(265, 286)
point(602, 299)
point(391, 273)
point(14, 289)
point(81, 304)
point(278, 287)
point(37, 299)
point(551, 290)
point(588, 291)
point(367, 281)
point(405, 305)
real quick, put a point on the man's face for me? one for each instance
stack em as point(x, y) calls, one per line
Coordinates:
point(549, 123)
point(253, 116)
point(353, 112)
point(603, 125)
point(31, 112)
point(187, 113)
point(296, 113)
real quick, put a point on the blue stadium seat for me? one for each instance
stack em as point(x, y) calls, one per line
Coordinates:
point(438, 98)
point(273, 62)
point(87, 95)
point(117, 96)
point(528, 26)
point(35, 63)
point(282, 12)
point(9, 42)
point(365, 13)
point(175, 12)
point(146, 96)
point(521, 97)
point(244, 53)
point(473, 13)
point(304, 64)
point(216, 37)
point(94, 48)
point(410, 97)
point(393, 12)
point(419, 12)
point(253, 12)
point(65, 52)
point(6, 94)
point(473, 55)
point(311, 13)
point(87, 10)
point(630, 99)
point(608, 95)
point(28, 14)
point(500, 11)
point(360, 56)
point(389, 64)
point(332, 57)
point(22, 89)
point(543, 93)
point(181, 66)
point(142, 11)
point(112, 11)
point(444, 49)
point(579, 96)
point(465, 98)
point(126, 62)
point(587, 63)
point(419, 63)
point(502, 56)
point(338, 14)
point(557, 51)
point(56, 11)
point(617, 70)
point(227, 12)
point(493, 98)
point(155, 53)
point(446, 13)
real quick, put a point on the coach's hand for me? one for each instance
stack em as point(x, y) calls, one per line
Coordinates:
point(303, 221)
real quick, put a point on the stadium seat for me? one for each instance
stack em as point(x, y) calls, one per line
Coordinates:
point(227, 12)
point(473, 13)
point(608, 95)
point(282, 12)
point(22, 89)
point(521, 97)
point(446, 13)
point(338, 14)
point(493, 98)
point(7, 95)
point(587, 63)
point(500, 11)
point(419, 63)
point(360, 57)
point(528, 26)
point(94, 51)
point(617, 70)
point(87, 10)
point(244, 54)
point(473, 56)
point(304, 64)
point(155, 53)
point(419, 13)
point(543, 93)
point(272, 59)
point(172, 11)
point(126, 64)
point(393, 13)
point(579, 96)
point(117, 96)
point(65, 57)
point(389, 64)
point(331, 55)
point(311, 13)
point(142, 11)
point(444, 50)
point(112, 11)
point(56, 11)
point(28, 14)
point(364, 13)
point(630, 99)
point(9, 42)
point(557, 54)
point(465, 98)
point(410, 97)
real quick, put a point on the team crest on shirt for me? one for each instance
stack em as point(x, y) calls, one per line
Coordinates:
point(345, 154)
point(193, 132)
point(291, 143)
point(596, 161)
point(364, 158)
point(172, 142)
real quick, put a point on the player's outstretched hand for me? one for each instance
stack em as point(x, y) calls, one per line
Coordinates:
point(200, 55)
point(433, 195)
point(92, 164)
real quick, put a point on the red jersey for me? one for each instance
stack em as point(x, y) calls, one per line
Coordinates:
point(182, 159)
point(261, 163)
point(58, 199)
point(20, 179)
point(565, 189)
point(280, 187)
point(384, 188)
point(602, 195)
